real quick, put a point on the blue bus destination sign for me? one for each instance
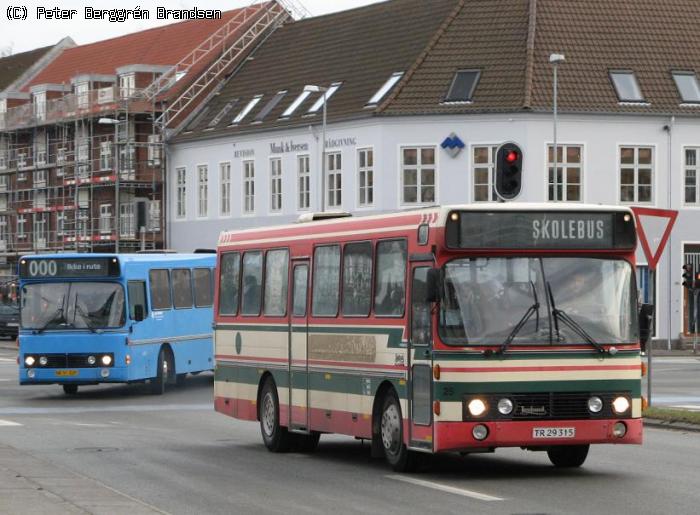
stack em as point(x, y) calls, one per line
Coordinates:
point(533, 230)
point(35, 268)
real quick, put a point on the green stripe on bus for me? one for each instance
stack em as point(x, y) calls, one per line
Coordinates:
point(514, 355)
point(449, 391)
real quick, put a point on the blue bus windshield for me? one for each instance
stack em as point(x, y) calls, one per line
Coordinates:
point(73, 305)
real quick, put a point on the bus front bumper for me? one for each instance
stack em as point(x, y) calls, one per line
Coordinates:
point(73, 376)
point(455, 436)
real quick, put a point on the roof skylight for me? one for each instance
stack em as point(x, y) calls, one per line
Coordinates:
point(224, 111)
point(626, 86)
point(295, 105)
point(687, 84)
point(463, 86)
point(270, 106)
point(386, 87)
point(247, 109)
point(325, 97)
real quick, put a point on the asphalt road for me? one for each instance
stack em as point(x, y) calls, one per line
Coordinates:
point(174, 454)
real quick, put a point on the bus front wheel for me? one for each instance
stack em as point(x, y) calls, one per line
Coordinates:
point(70, 389)
point(162, 373)
point(391, 433)
point(275, 437)
point(568, 456)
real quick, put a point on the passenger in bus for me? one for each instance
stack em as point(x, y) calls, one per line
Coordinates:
point(251, 294)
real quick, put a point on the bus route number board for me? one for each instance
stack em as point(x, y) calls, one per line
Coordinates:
point(554, 432)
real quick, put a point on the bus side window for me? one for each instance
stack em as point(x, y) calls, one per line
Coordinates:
point(252, 283)
point(138, 308)
point(160, 289)
point(390, 288)
point(229, 283)
point(276, 281)
point(182, 288)
point(357, 279)
point(421, 328)
point(203, 296)
point(326, 281)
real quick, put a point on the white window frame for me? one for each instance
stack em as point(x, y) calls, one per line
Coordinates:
point(419, 168)
point(636, 166)
point(40, 178)
point(384, 89)
point(127, 219)
point(202, 191)
point(247, 109)
point(275, 184)
point(362, 173)
point(127, 85)
point(154, 149)
point(40, 105)
point(40, 199)
point(334, 179)
point(295, 105)
point(4, 182)
point(105, 155)
point(60, 223)
point(106, 218)
point(248, 187)
point(82, 95)
point(564, 165)
point(181, 193)
point(39, 230)
point(492, 149)
point(696, 181)
point(303, 182)
point(21, 160)
point(154, 215)
point(21, 227)
point(324, 98)
point(4, 233)
point(225, 188)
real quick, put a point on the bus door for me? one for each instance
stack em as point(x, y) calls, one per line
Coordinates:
point(299, 347)
point(420, 360)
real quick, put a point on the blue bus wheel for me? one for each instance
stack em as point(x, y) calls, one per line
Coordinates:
point(70, 389)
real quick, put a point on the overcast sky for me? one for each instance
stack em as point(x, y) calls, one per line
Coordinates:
point(20, 36)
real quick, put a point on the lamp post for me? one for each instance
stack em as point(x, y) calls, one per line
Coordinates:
point(115, 123)
point(321, 89)
point(554, 60)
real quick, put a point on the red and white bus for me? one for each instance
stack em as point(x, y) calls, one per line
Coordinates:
point(447, 329)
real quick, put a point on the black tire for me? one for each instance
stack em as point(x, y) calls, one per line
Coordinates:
point(306, 443)
point(180, 379)
point(568, 456)
point(162, 371)
point(391, 435)
point(70, 389)
point(275, 437)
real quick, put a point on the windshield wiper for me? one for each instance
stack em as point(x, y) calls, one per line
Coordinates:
point(86, 317)
point(534, 309)
point(55, 317)
point(558, 314)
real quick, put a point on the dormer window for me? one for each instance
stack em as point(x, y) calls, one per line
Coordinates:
point(626, 86)
point(247, 109)
point(463, 86)
point(127, 85)
point(295, 105)
point(82, 94)
point(40, 105)
point(687, 84)
point(386, 87)
point(324, 98)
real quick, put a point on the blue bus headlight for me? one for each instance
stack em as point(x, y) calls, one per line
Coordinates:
point(91, 360)
point(106, 360)
point(43, 361)
point(29, 361)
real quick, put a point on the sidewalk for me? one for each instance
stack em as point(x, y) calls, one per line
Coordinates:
point(32, 486)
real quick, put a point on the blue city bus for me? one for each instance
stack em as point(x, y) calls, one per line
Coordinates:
point(115, 318)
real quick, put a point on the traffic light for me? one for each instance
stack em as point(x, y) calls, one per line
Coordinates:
point(689, 276)
point(509, 171)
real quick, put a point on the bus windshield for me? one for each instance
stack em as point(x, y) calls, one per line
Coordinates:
point(78, 305)
point(485, 299)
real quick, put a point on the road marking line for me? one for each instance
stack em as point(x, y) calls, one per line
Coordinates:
point(688, 407)
point(446, 488)
point(8, 423)
point(8, 360)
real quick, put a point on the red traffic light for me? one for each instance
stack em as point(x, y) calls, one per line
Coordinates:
point(512, 157)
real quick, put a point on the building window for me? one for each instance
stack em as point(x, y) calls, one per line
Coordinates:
point(127, 220)
point(40, 199)
point(304, 178)
point(203, 197)
point(83, 223)
point(105, 155)
point(688, 89)
point(483, 164)
point(247, 109)
point(3, 160)
point(334, 167)
point(4, 182)
point(3, 233)
point(40, 230)
point(418, 175)
point(181, 194)
point(569, 173)
point(270, 106)
point(325, 97)
point(154, 215)
point(40, 105)
point(276, 184)
point(365, 177)
point(626, 86)
point(60, 223)
point(21, 159)
point(127, 85)
point(154, 149)
point(636, 174)
point(386, 87)
point(21, 227)
point(692, 174)
point(40, 178)
point(82, 94)
point(225, 178)
point(83, 159)
point(249, 187)
point(106, 218)
point(295, 105)
point(463, 86)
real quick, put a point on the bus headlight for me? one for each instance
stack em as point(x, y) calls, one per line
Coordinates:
point(106, 360)
point(505, 406)
point(621, 405)
point(91, 360)
point(595, 404)
point(476, 407)
point(43, 361)
point(29, 361)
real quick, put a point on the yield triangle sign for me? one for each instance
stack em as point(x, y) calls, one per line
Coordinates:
point(651, 221)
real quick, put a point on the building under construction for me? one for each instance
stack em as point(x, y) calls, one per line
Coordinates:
point(82, 142)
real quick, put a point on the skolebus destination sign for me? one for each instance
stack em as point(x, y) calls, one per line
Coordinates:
point(37, 268)
point(537, 230)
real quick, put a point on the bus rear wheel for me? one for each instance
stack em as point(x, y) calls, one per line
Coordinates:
point(391, 433)
point(70, 389)
point(568, 456)
point(275, 437)
point(163, 368)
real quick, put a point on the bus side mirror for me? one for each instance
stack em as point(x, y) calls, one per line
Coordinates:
point(432, 286)
point(138, 312)
point(646, 323)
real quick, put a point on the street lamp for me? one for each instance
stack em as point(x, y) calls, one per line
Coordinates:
point(321, 89)
point(115, 123)
point(554, 60)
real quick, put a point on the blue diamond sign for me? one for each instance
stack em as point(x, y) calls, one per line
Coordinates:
point(453, 145)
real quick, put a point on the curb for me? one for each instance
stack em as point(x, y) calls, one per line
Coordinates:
point(675, 426)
